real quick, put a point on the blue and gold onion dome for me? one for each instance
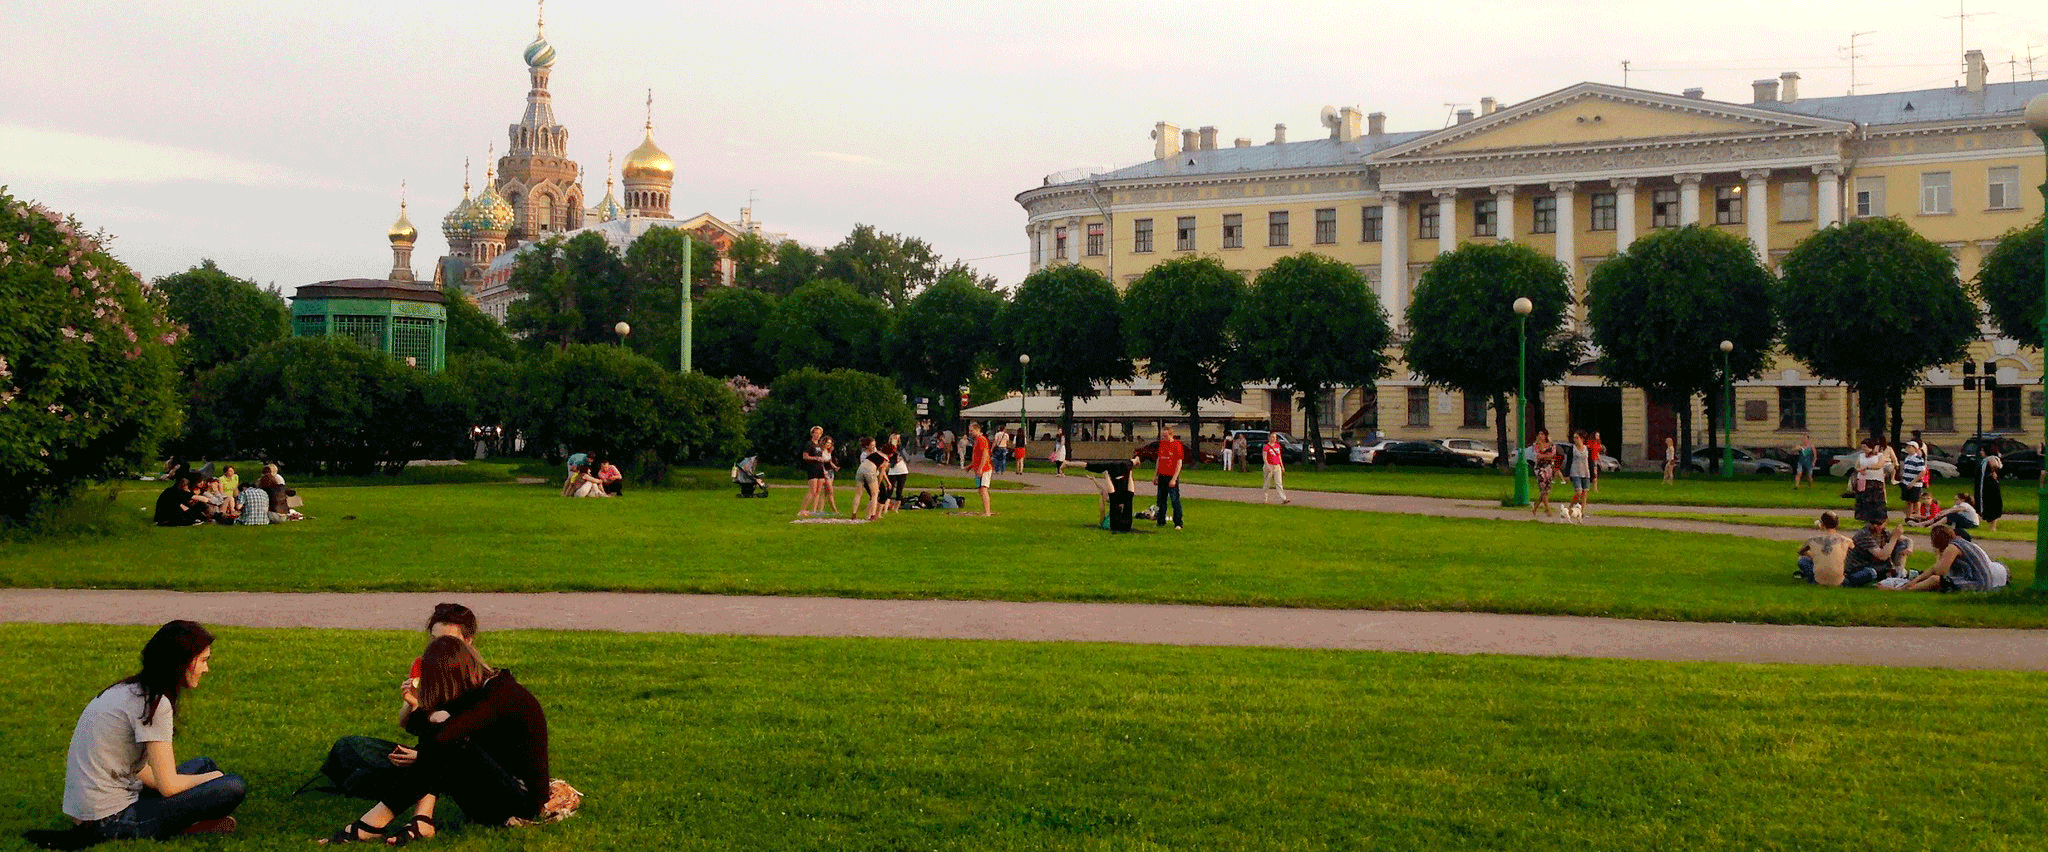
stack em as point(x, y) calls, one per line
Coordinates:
point(489, 212)
point(540, 54)
point(455, 225)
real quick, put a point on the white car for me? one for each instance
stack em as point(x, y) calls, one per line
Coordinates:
point(1364, 453)
point(1473, 447)
point(1936, 468)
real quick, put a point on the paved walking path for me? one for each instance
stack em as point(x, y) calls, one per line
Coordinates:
point(1445, 632)
point(1448, 507)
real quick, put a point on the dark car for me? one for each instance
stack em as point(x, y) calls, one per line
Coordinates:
point(2020, 461)
point(1150, 453)
point(1423, 454)
point(1705, 460)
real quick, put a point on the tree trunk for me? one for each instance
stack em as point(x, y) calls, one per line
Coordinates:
point(1684, 433)
point(1067, 412)
point(1311, 407)
point(1713, 429)
point(1194, 441)
point(1898, 405)
point(1500, 432)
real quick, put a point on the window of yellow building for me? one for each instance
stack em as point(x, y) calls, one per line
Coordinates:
point(1795, 201)
point(1425, 221)
point(1141, 235)
point(1059, 242)
point(1940, 414)
point(1418, 407)
point(1485, 217)
point(1603, 218)
point(1937, 196)
point(1543, 215)
point(1184, 234)
point(1791, 408)
point(1326, 225)
point(1233, 230)
point(1094, 239)
point(1870, 196)
point(1727, 205)
point(1276, 228)
point(1664, 208)
point(2002, 190)
point(1375, 224)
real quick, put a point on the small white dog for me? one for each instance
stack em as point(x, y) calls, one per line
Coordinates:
point(1575, 513)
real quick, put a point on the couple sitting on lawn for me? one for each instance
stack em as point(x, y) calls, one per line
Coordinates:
point(1876, 556)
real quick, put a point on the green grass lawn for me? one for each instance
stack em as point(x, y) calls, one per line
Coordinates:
point(1756, 492)
point(2008, 529)
point(719, 743)
point(1039, 547)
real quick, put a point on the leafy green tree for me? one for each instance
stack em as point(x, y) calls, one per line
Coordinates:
point(941, 339)
point(2009, 279)
point(1310, 325)
point(87, 370)
point(1660, 310)
point(848, 403)
point(1069, 320)
point(570, 292)
point(889, 267)
point(326, 404)
point(753, 259)
point(487, 381)
point(1177, 318)
point(1872, 304)
point(1462, 328)
point(225, 317)
point(731, 334)
point(960, 269)
point(795, 265)
point(610, 402)
point(652, 300)
point(825, 324)
point(473, 332)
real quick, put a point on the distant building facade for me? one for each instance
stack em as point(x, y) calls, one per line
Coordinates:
point(1579, 174)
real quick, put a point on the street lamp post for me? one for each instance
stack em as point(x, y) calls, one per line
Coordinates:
point(1522, 308)
point(623, 329)
point(2037, 120)
point(1727, 412)
point(1024, 397)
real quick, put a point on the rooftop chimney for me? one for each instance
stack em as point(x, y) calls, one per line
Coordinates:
point(1696, 93)
point(1766, 91)
point(1347, 124)
point(1376, 124)
point(1464, 115)
point(1209, 138)
point(1165, 141)
point(1488, 106)
point(1244, 142)
point(1977, 71)
point(1190, 140)
point(1788, 88)
point(1279, 134)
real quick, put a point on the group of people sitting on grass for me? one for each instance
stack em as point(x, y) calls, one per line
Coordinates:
point(197, 497)
point(593, 477)
point(1876, 556)
point(482, 740)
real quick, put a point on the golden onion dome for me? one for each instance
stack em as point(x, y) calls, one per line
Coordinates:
point(402, 230)
point(649, 161)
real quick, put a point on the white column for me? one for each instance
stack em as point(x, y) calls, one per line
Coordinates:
point(1624, 213)
point(1504, 212)
point(1393, 257)
point(1756, 203)
point(1032, 235)
point(1446, 220)
point(1567, 231)
point(1689, 198)
point(1828, 201)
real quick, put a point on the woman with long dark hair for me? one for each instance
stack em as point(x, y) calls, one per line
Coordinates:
point(122, 779)
point(483, 742)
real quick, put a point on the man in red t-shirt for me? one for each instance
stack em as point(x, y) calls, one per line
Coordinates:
point(1171, 457)
point(981, 468)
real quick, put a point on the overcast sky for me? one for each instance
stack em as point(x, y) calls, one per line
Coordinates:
point(272, 136)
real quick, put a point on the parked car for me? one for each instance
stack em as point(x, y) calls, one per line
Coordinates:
point(1150, 453)
point(1936, 467)
point(1364, 453)
point(1481, 450)
point(1705, 460)
point(1292, 450)
point(1423, 454)
point(2019, 460)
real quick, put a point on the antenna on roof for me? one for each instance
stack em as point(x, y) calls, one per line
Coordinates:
point(1853, 56)
point(1450, 113)
point(1624, 73)
point(2030, 61)
point(1962, 19)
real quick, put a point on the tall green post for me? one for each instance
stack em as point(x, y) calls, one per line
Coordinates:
point(1024, 396)
point(689, 253)
point(1727, 412)
point(2037, 120)
point(1522, 308)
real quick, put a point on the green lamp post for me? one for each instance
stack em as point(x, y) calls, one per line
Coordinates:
point(623, 328)
point(1024, 397)
point(1727, 412)
point(1522, 308)
point(2037, 121)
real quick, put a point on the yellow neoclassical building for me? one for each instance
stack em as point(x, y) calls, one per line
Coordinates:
point(1579, 173)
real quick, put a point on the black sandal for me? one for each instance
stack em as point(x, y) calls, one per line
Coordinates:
point(353, 833)
point(411, 831)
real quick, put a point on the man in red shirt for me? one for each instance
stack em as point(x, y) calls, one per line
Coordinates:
point(1171, 456)
point(982, 469)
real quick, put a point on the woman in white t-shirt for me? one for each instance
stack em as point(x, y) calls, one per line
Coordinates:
point(122, 780)
point(1869, 476)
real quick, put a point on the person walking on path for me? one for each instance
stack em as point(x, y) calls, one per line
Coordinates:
point(947, 453)
point(1276, 469)
point(1593, 447)
point(1670, 459)
point(1172, 455)
point(1579, 468)
point(1060, 454)
point(1546, 457)
point(1802, 462)
point(979, 465)
point(1244, 452)
point(1990, 494)
point(1000, 445)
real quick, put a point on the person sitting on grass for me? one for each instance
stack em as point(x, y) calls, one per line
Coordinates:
point(1879, 553)
point(255, 507)
point(1961, 516)
point(483, 742)
point(122, 778)
point(1959, 566)
point(1925, 511)
point(178, 505)
point(583, 483)
point(447, 619)
point(1823, 557)
point(614, 481)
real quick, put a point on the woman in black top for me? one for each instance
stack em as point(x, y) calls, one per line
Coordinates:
point(814, 460)
point(483, 742)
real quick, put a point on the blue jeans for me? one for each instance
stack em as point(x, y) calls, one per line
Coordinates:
point(1000, 456)
point(1168, 491)
point(159, 817)
point(1850, 580)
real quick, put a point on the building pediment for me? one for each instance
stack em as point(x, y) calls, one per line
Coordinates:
point(1595, 117)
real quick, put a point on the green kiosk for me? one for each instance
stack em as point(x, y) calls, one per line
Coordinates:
point(408, 320)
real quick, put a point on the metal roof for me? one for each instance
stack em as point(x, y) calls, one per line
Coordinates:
point(1926, 105)
point(1314, 153)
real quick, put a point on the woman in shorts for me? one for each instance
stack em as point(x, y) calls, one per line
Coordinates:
point(1580, 469)
point(899, 473)
point(813, 460)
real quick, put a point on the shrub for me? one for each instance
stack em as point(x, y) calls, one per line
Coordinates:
point(848, 403)
point(87, 386)
point(610, 402)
